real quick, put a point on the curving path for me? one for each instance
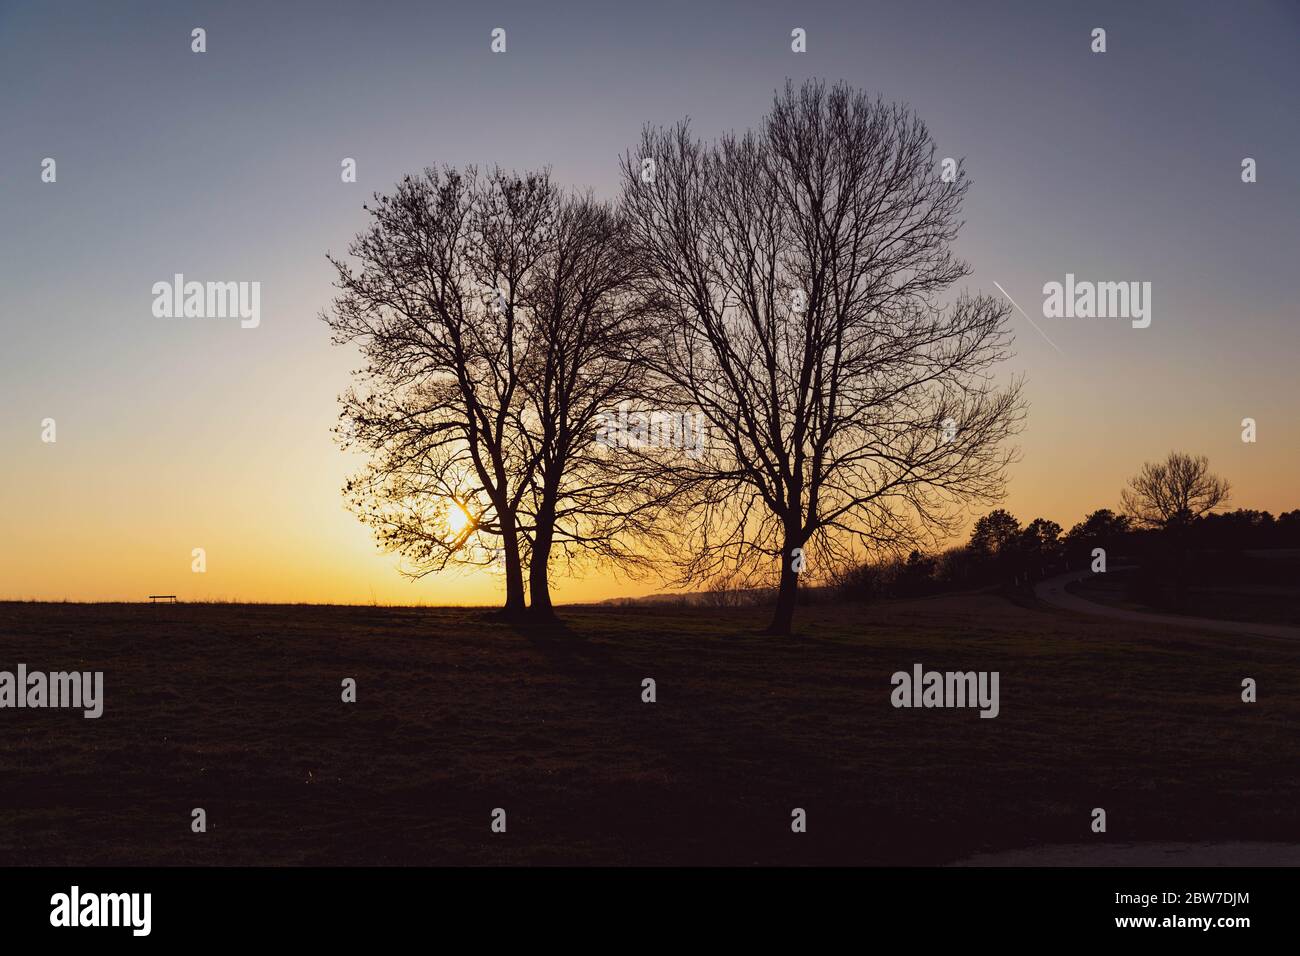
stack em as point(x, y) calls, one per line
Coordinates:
point(1052, 591)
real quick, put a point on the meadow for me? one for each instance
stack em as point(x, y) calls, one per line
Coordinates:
point(237, 709)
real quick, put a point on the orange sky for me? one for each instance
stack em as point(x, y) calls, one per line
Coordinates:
point(103, 521)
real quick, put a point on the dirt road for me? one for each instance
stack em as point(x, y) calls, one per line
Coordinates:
point(1053, 592)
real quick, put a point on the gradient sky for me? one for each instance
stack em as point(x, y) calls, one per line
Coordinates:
point(175, 434)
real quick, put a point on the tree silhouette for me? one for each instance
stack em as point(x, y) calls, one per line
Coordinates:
point(795, 272)
point(586, 499)
point(1100, 525)
point(433, 308)
point(1040, 547)
point(1173, 493)
point(495, 316)
point(1102, 528)
point(1171, 496)
point(995, 532)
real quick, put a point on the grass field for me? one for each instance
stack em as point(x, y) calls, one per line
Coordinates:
point(237, 709)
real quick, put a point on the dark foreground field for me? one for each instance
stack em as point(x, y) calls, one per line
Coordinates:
point(236, 709)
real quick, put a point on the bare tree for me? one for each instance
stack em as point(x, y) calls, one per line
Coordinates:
point(496, 317)
point(588, 500)
point(435, 309)
point(1173, 493)
point(795, 273)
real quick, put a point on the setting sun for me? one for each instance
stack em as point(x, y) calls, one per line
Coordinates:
point(457, 519)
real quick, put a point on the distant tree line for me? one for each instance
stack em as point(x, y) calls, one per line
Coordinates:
point(1166, 521)
point(1002, 552)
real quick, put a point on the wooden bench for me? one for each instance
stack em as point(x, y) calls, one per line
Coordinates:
point(164, 598)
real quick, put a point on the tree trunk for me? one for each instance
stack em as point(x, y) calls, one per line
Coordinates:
point(514, 568)
point(783, 618)
point(539, 588)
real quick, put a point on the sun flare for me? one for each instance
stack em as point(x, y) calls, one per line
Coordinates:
point(457, 519)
